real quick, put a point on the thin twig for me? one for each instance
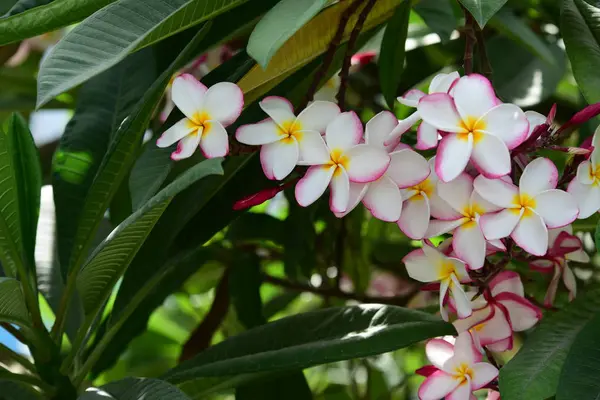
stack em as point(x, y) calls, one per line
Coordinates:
point(341, 96)
point(470, 40)
point(484, 63)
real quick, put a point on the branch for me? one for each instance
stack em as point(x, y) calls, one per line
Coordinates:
point(470, 39)
point(484, 62)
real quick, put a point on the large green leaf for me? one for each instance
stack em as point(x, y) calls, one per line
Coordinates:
point(136, 389)
point(38, 20)
point(483, 10)
point(24, 5)
point(278, 25)
point(439, 16)
point(309, 339)
point(18, 391)
point(579, 376)
point(391, 59)
point(103, 39)
point(12, 303)
point(580, 26)
point(533, 373)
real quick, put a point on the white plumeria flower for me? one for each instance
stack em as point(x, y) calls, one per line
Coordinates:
point(563, 246)
point(286, 139)
point(501, 311)
point(468, 243)
point(339, 160)
point(427, 264)
point(585, 187)
point(427, 135)
point(421, 201)
point(535, 119)
point(207, 113)
point(529, 209)
point(407, 168)
point(478, 128)
point(460, 370)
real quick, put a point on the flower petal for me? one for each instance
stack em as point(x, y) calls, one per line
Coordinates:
point(461, 301)
point(453, 154)
point(439, 110)
point(313, 184)
point(531, 234)
point(584, 173)
point(499, 225)
point(464, 351)
point(570, 282)
point(586, 196)
point(344, 132)
point(279, 109)
point(186, 147)
point(438, 351)
point(379, 128)
point(383, 199)
point(366, 163)
point(496, 191)
point(224, 102)
point(462, 392)
point(535, 119)
point(439, 227)
point(403, 126)
point(414, 218)
point(483, 373)
point(427, 136)
point(419, 267)
point(411, 98)
point(490, 156)
point(340, 191)
point(313, 150)
point(318, 115)
point(507, 282)
point(522, 314)
point(279, 159)
point(478, 317)
point(175, 133)
point(556, 207)
point(441, 83)
point(474, 96)
point(508, 123)
point(469, 245)
point(437, 386)
point(188, 94)
point(539, 175)
point(214, 141)
point(263, 132)
point(501, 345)
point(356, 193)
point(494, 329)
point(407, 168)
point(457, 192)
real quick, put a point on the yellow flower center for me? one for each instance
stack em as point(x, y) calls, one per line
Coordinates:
point(471, 126)
point(200, 122)
point(446, 269)
point(594, 174)
point(463, 372)
point(523, 201)
point(424, 188)
point(472, 211)
point(339, 160)
point(290, 129)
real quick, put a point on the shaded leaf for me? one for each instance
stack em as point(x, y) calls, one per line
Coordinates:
point(12, 303)
point(483, 10)
point(18, 391)
point(24, 5)
point(439, 16)
point(135, 389)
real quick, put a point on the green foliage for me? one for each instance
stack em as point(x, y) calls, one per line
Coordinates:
point(483, 10)
point(137, 389)
point(12, 303)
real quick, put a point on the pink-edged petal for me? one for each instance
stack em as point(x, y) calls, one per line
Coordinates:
point(441, 83)
point(474, 96)
point(340, 191)
point(439, 110)
point(556, 207)
point(542, 265)
point(379, 128)
point(264, 132)
point(478, 317)
point(502, 345)
point(438, 351)
point(313, 150)
point(586, 196)
point(570, 282)
point(508, 123)
point(483, 373)
point(188, 94)
point(214, 141)
point(186, 147)
point(366, 163)
point(224, 102)
point(462, 392)
point(437, 386)
point(552, 288)
point(439, 227)
point(452, 157)
point(493, 246)
point(357, 192)
point(414, 218)
point(490, 156)
point(499, 225)
point(494, 329)
point(531, 234)
point(426, 370)
point(279, 109)
point(481, 205)
point(522, 314)
point(279, 159)
point(461, 301)
point(418, 266)
point(496, 191)
point(507, 282)
point(403, 126)
point(585, 173)
point(175, 133)
point(457, 192)
point(469, 245)
point(538, 176)
point(383, 199)
point(313, 184)
point(464, 352)
point(344, 132)
point(407, 168)
point(535, 119)
point(318, 115)
point(411, 98)
point(427, 136)
point(444, 285)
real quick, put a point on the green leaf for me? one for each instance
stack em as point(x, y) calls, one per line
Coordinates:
point(483, 10)
point(18, 391)
point(579, 376)
point(106, 40)
point(24, 5)
point(12, 303)
point(580, 28)
point(533, 373)
point(38, 20)
point(517, 29)
point(309, 339)
point(278, 25)
point(439, 16)
point(137, 389)
point(391, 59)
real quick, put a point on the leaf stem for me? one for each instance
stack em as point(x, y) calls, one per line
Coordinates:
point(28, 379)
point(484, 63)
point(470, 39)
point(21, 360)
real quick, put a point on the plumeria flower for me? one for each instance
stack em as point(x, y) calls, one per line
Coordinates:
point(407, 168)
point(427, 264)
point(585, 187)
point(530, 209)
point(468, 243)
point(286, 139)
point(563, 246)
point(457, 370)
point(207, 113)
point(338, 161)
point(427, 135)
point(479, 128)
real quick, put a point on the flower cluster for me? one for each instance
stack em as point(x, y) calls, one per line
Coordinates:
point(483, 190)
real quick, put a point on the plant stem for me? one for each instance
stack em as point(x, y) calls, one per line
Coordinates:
point(24, 362)
point(484, 62)
point(469, 41)
point(28, 379)
point(57, 329)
